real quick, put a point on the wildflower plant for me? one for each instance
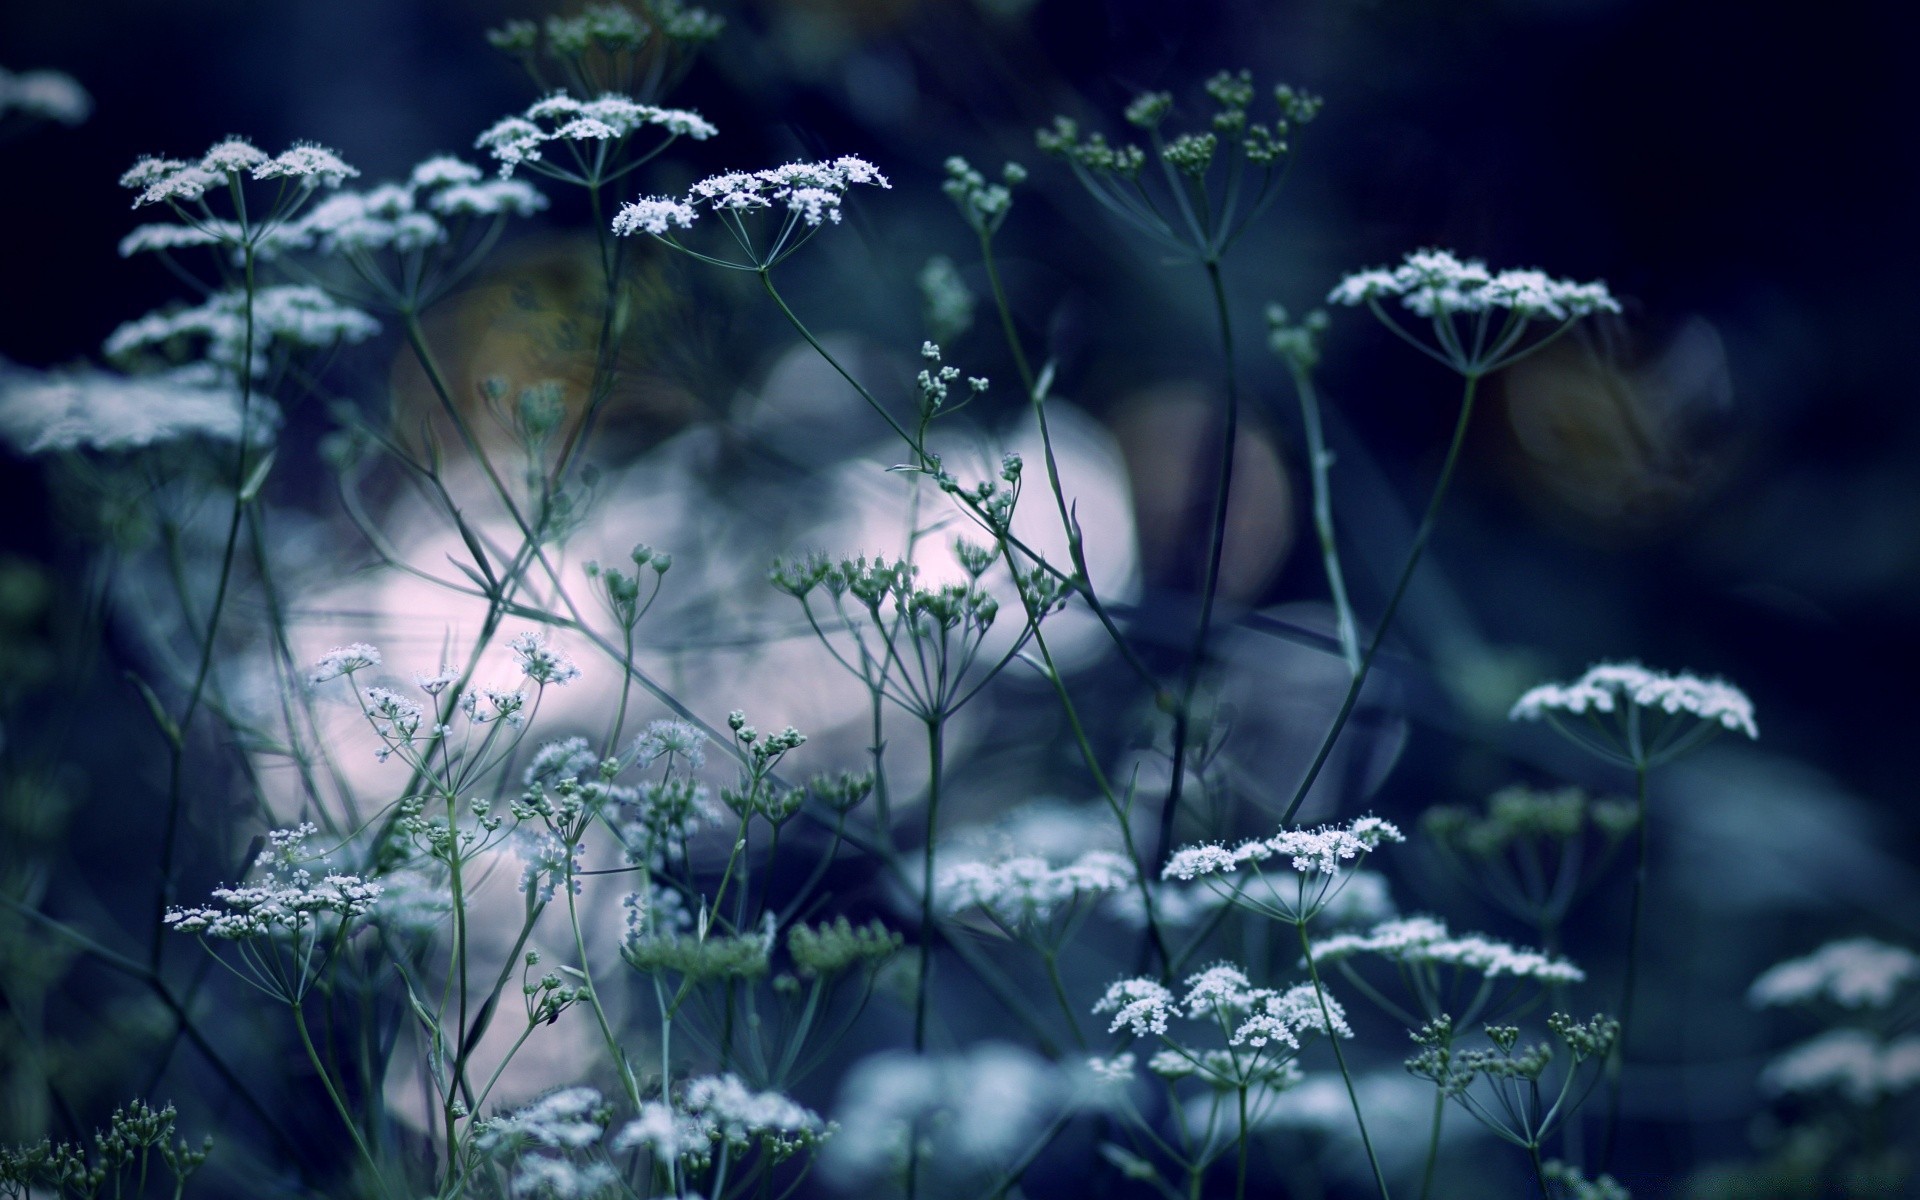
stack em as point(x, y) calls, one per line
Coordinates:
point(541, 845)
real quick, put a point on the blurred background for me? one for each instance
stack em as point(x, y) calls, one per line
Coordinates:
point(1726, 479)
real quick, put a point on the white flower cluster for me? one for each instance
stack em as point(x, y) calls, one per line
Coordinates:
point(1028, 888)
point(1320, 851)
point(550, 1178)
point(47, 95)
point(1853, 973)
point(294, 315)
point(1436, 283)
point(103, 410)
point(343, 660)
point(1357, 898)
point(412, 215)
point(1223, 990)
point(1852, 1062)
point(178, 181)
point(517, 141)
point(570, 1119)
point(1604, 686)
point(541, 662)
point(740, 1114)
point(811, 192)
point(1426, 940)
point(289, 899)
point(677, 738)
point(664, 1132)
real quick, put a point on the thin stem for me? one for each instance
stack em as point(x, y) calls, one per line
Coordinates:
point(1318, 460)
point(1339, 1057)
point(936, 747)
point(1539, 1171)
point(1433, 1142)
point(1616, 1061)
point(339, 1104)
point(1420, 538)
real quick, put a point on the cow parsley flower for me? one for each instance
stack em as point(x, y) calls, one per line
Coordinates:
point(1425, 940)
point(740, 1115)
point(44, 95)
point(1853, 1063)
point(610, 119)
point(343, 660)
point(1283, 1017)
point(1655, 716)
point(1142, 1005)
point(176, 181)
point(1854, 973)
point(570, 1119)
point(665, 1133)
point(88, 409)
point(541, 662)
point(1025, 889)
point(1222, 987)
point(291, 316)
point(549, 1178)
point(290, 902)
point(1440, 286)
point(809, 193)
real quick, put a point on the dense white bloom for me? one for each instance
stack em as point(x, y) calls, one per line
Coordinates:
point(1604, 686)
point(494, 197)
point(310, 164)
point(1434, 283)
point(1357, 898)
point(1852, 1062)
point(812, 192)
point(545, 860)
point(343, 660)
point(1284, 1016)
point(654, 215)
point(661, 738)
point(549, 1178)
point(1142, 1005)
point(740, 1114)
point(1319, 851)
point(1222, 987)
point(288, 898)
point(1028, 887)
point(541, 662)
point(515, 141)
point(443, 170)
point(570, 1119)
point(103, 410)
point(49, 95)
point(291, 315)
point(1853, 973)
point(1426, 940)
point(374, 220)
point(976, 1110)
point(664, 1133)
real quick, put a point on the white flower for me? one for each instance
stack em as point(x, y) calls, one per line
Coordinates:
point(232, 157)
point(1322, 851)
point(570, 1119)
point(540, 662)
point(292, 315)
point(1222, 987)
point(312, 165)
point(517, 141)
point(1118, 1069)
point(1028, 887)
point(1436, 283)
point(1142, 1005)
point(664, 1133)
point(288, 899)
point(103, 410)
point(49, 95)
point(1283, 1016)
point(561, 1179)
point(343, 660)
point(1852, 1062)
point(1604, 686)
point(443, 170)
point(1854, 973)
point(739, 1114)
point(495, 197)
point(1426, 940)
point(654, 215)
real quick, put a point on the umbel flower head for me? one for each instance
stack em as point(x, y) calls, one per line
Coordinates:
point(88, 409)
point(1855, 973)
point(1462, 297)
point(1636, 716)
point(593, 134)
point(1322, 860)
point(808, 194)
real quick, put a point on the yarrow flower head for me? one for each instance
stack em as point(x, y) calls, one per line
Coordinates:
point(1440, 286)
point(1855, 973)
point(1656, 716)
point(811, 193)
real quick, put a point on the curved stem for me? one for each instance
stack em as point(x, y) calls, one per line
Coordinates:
point(339, 1104)
point(1420, 538)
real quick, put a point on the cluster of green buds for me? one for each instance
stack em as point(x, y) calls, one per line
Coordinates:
point(1296, 343)
point(1188, 213)
point(620, 591)
point(843, 792)
point(984, 206)
point(1514, 1108)
point(759, 792)
point(833, 948)
point(120, 1156)
point(1527, 851)
point(550, 995)
point(608, 47)
point(716, 958)
point(992, 502)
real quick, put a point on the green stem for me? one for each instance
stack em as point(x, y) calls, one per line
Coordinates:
point(1616, 1060)
point(1433, 1142)
point(1318, 460)
point(339, 1104)
point(936, 747)
point(1539, 1171)
point(1240, 1137)
point(1420, 538)
point(1340, 1058)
